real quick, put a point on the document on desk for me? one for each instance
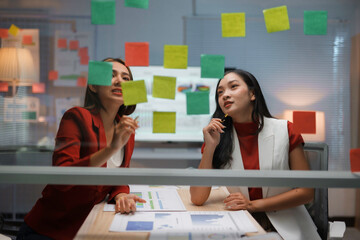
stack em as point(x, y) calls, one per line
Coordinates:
point(211, 235)
point(156, 200)
point(202, 221)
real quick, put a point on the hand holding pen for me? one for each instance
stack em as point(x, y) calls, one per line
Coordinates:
point(212, 132)
point(122, 132)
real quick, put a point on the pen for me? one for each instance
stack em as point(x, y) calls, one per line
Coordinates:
point(223, 120)
point(136, 119)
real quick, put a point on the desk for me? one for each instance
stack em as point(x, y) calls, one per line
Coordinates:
point(97, 224)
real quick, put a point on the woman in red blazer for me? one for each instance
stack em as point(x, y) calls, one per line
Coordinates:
point(90, 136)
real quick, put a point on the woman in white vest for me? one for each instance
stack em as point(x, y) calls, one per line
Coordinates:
point(243, 135)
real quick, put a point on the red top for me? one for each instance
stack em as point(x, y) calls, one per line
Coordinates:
point(250, 151)
point(62, 209)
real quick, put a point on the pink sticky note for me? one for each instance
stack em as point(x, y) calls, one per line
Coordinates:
point(27, 40)
point(83, 52)
point(74, 45)
point(81, 82)
point(4, 87)
point(38, 88)
point(84, 60)
point(62, 43)
point(53, 75)
point(4, 33)
point(137, 53)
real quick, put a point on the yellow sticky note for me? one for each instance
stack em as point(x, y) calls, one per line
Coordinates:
point(276, 19)
point(14, 30)
point(175, 56)
point(164, 87)
point(233, 24)
point(134, 92)
point(164, 122)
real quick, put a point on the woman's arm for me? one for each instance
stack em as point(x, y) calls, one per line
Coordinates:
point(292, 198)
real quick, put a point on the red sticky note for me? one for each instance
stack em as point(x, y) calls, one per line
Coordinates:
point(304, 122)
point(355, 159)
point(74, 45)
point(81, 82)
point(4, 33)
point(137, 53)
point(83, 52)
point(4, 87)
point(62, 43)
point(53, 75)
point(38, 88)
point(84, 60)
point(27, 40)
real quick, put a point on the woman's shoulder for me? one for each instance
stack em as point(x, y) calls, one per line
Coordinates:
point(78, 113)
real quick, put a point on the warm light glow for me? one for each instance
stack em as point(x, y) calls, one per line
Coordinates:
point(320, 126)
point(16, 64)
point(300, 96)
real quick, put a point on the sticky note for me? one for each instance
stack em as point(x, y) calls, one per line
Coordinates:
point(233, 25)
point(38, 88)
point(137, 3)
point(134, 92)
point(304, 122)
point(197, 103)
point(355, 160)
point(4, 87)
point(4, 33)
point(276, 19)
point(84, 60)
point(14, 30)
point(100, 73)
point(81, 82)
point(27, 40)
point(315, 22)
point(164, 122)
point(164, 87)
point(212, 66)
point(53, 75)
point(83, 52)
point(137, 53)
point(62, 43)
point(175, 56)
point(103, 11)
point(73, 44)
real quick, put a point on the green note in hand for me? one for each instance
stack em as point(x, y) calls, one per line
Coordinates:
point(164, 87)
point(134, 92)
point(164, 122)
point(100, 73)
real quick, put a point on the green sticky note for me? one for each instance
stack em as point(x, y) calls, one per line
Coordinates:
point(276, 19)
point(197, 103)
point(212, 66)
point(134, 92)
point(164, 87)
point(315, 22)
point(175, 56)
point(164, 122)
point(28, 115)
point(137, 3)
point(100, 73)
point(233, 24)
point(103, 11)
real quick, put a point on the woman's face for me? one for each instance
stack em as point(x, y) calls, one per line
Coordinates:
point(112, 95)
point(234, 96)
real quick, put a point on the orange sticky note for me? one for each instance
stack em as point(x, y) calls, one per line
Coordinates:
point(304, 122)
point(53, 75)
point(355, 160)
point(4, 33)
point(74, 45)
point(14, 30)
point(4, 87)
point(81, 82)
point(38, 88)
point(84, 60)
point(27, 40)
point(137, 53)
point(62, 43)
point(83, 52)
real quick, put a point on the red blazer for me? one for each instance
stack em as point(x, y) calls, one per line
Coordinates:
point(63, 208)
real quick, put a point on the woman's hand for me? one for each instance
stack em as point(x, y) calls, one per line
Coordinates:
point(237, 201)
point(126, 203)
point(122, 132)
point(212, 132)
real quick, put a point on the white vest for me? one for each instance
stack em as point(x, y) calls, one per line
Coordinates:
point(273, 142)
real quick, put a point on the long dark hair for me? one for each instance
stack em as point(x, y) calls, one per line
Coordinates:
point(223, 152)
point(92, 100)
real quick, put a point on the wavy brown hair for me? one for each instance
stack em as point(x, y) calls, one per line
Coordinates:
point(92, 100)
